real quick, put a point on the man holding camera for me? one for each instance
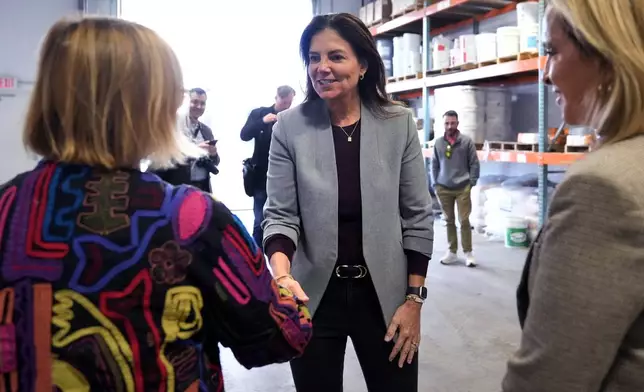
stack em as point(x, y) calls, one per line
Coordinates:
point(195, 172)
point(259, 127)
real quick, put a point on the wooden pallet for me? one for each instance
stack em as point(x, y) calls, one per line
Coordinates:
point(457, 68)
point(577, 148)
point(486, 63)
point(417, 75)
point(520, 56)
point(514, 146)
point(503, 146)
point(406, 10)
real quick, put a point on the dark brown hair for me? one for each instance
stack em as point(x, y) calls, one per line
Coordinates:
point(351, 29)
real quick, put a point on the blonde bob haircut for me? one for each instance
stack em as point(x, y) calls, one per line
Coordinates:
point(106, 95)
point(611, 32)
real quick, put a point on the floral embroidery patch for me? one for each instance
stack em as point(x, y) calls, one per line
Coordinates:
point(168, 264)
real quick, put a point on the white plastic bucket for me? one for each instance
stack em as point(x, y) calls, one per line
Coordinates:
point(467, 43)
point(516, 232)
point(411, 42)
point(440, 53)
point(485, 47)
point(527, 13)
point(414, 63)
point(529, 38)
point(507, 41)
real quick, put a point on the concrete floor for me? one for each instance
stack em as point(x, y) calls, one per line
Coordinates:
point(469, 327)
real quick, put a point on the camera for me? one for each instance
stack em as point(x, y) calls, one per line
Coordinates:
point(208, 164)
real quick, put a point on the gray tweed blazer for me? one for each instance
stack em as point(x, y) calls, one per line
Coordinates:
point(582, 296)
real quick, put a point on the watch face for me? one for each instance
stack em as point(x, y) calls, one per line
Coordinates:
point(419, 291)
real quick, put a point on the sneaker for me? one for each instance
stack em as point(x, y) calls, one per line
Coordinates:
point(449, 258)
point(469, 260)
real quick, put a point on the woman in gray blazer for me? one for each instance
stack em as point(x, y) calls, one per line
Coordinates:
point(581, 299)
point(348, 216)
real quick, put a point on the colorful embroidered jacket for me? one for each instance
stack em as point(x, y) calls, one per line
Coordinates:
point(116, 281)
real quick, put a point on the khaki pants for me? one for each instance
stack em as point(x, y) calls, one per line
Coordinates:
point(448, 198)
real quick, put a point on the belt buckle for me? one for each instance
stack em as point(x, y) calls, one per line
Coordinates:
point(362, 271)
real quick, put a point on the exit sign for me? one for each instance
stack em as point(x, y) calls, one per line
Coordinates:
point(8, 83)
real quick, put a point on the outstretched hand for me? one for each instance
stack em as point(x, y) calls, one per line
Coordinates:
point(291, 284)
point(406, 322)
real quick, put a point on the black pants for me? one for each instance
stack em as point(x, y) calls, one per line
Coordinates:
point(259, 199)
point(350, 308)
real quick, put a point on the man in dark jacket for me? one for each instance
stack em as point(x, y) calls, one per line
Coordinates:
point(259, 126)
point(195, 172)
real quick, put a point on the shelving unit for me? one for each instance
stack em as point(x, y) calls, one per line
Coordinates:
point(446, 15)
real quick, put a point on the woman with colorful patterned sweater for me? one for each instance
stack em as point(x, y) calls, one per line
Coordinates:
point(111, 279)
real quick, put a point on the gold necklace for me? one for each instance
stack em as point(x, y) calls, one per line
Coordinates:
point(349, 138)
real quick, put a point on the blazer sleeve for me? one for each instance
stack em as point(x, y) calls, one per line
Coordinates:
point(259, 321)
point(281, 211)
point(415, 202)
point(586, 289)
point(253, 126)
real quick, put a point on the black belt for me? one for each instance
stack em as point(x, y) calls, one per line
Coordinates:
point(351, 271)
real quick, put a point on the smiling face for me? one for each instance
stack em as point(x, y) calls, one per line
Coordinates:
point(334, 68)
point(197, 105)
point(574, 74)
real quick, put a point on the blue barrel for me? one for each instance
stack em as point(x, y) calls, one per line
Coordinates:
point(385, 47)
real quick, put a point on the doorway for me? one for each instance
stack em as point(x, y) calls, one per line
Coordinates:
point(239, 56)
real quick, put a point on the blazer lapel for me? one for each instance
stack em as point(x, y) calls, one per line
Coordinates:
point(370, 162)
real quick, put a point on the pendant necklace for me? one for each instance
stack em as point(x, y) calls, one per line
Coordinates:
point(349, 135)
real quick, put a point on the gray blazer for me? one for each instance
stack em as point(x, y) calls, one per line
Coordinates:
point(582, 301)
point(302, 201)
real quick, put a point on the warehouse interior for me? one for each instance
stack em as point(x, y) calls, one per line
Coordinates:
point(469, 320)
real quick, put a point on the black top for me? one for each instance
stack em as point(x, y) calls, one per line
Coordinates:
point(255, 128)
point(347, 157)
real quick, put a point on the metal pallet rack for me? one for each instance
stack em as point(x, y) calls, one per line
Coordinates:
point(450, 14)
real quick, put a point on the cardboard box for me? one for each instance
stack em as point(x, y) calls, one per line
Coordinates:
point(382, 10)
point(363, 14)
point(399, 6)
point(371, 7)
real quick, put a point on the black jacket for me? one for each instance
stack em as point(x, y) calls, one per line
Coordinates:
point(255, 128)
point(180, 174)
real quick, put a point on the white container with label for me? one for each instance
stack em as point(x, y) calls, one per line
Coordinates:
point(529, 38)
point(440, 53)
point(467, 43)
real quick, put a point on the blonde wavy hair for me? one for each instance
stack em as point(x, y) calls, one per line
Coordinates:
point(106, 94)
point(613, 33)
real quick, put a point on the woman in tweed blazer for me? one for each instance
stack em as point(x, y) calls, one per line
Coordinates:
point(581, 299)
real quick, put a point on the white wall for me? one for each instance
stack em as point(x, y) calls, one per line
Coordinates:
point(24, 25)
point(240, 66)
